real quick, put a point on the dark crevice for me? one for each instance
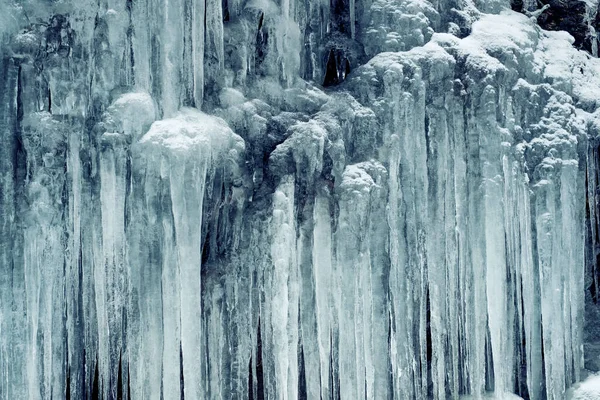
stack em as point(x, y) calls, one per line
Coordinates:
point(225, 10)
point(250, 380)
point(333, 376)
point(49, 100)
point(120, 379)
point(96, 383)
point(128, 383)
point(20, 167)
point(340, 16)
point(181, 381)
point(206, 248)
point(262, 39)
point(521, 387)
point(68, 384)
point(331, 70)
point(130, 36)
point(543, 382)
point(391, 321)
point(428, 343)
point(260, 384)
point(302, 395)
point(489, 361)
point(260, 21)
point(341, 55)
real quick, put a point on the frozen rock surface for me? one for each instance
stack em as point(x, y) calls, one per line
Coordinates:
point(387, 199)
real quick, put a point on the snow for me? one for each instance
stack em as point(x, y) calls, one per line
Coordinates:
point(589, 389)
point(357, 181)
point(398, 26)
point(231, 97)
point(131, 113)
point(190, 132)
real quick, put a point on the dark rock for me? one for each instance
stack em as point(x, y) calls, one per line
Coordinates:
point(340, 56)
point(59, 36)
point(565, 15)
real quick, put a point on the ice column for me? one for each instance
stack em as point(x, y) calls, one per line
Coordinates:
point(283, 292)
point(44, 139)
point(355, 272)
point(177, 159)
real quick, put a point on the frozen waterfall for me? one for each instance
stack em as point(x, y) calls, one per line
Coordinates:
point(258, 199)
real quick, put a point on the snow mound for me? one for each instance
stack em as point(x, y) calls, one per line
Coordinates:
point(231, 97)
point(130, 114)
point(359, 179)
point(586, 390)
point(192, 132)
point(305, 146)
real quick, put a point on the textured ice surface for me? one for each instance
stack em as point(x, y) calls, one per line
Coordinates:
point(296, 200)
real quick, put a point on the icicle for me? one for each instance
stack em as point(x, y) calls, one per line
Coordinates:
point(14, 321)
point(216, 337)
point(592, 195)
point(402, 341)
point(214, 50)
point(353, 19)
point(144, 316)
point(113, 160)
point(171, 293)
point(177, 155)
point(283, 291)
point(476, 299)
point(74, 285)
point(353, 266)
point(375, 293)
point(309, 355)
point(144, 44)
point(494, 215)
point(198, 34)
point(43, 139)
point(172, 63)
point(322, 267)
point(438, 243)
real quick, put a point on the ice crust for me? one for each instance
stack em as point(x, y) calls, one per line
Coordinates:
point(196, 217)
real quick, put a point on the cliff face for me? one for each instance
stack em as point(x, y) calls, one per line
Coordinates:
point(578, 17)
point(354, 199)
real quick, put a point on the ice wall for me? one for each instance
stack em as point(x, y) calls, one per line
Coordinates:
point(295, 200)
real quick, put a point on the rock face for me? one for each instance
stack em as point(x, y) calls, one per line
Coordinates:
point(569, 16)
point(578, 17)
point(297, 200)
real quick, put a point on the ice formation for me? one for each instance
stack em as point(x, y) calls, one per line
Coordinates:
point(387, 199)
